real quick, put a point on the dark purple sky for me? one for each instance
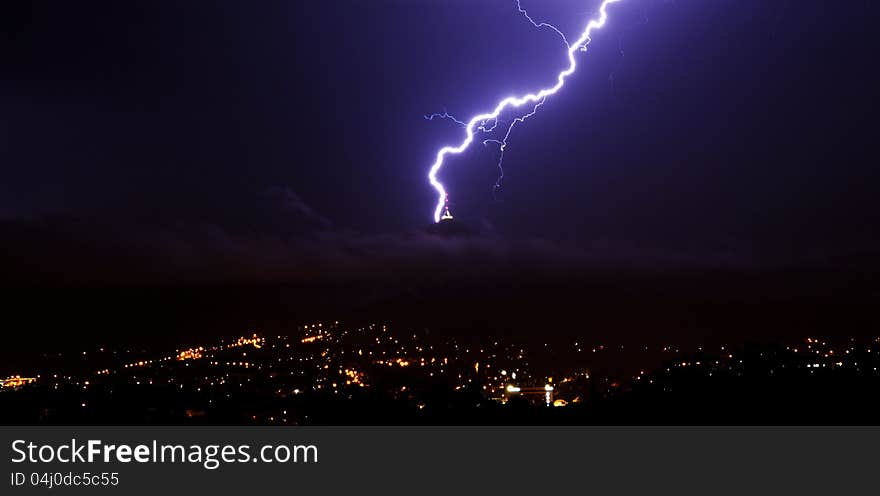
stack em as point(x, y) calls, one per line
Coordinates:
point(711, 168)
point(703, 130)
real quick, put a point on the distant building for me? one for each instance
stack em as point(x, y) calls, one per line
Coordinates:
point(447, 215)
point(538, 395)
point(448, 226)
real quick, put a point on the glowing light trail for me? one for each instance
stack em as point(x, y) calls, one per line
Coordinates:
point(479, 122)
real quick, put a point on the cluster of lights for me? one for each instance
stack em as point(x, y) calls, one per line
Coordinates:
point(16, 381)
point(546, 391)
point(233, 364)
point(255, 341)
point(343, 359)
point(194, 353)
point(354, 377)
point(398, 361)
point(190, 354)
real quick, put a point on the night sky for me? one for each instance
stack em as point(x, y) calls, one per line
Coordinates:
point(148, 142)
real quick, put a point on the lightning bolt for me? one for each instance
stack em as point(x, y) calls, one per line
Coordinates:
point(486, 122)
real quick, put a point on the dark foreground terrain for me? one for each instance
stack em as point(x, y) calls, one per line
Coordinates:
point(329, 374)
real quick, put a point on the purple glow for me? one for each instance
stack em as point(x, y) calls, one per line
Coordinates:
point(479, 121)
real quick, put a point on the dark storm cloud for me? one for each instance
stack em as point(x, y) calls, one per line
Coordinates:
point(292, 204)
point(712, 127)
point(75, 251)
point(151, 132)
